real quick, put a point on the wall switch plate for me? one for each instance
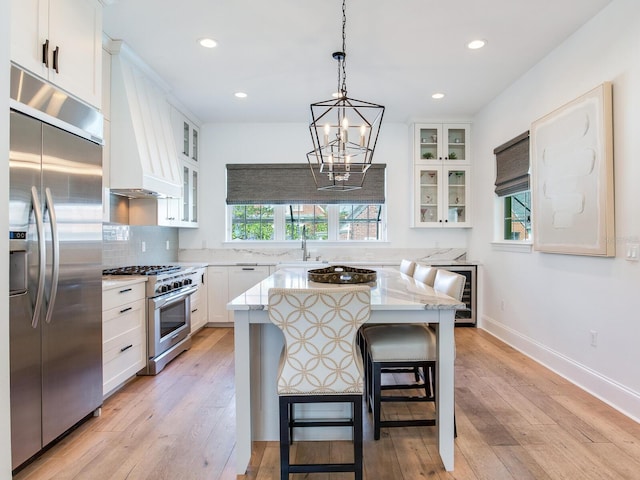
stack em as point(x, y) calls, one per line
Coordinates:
point(168, 245)
point(143, 246)
point(632, 252)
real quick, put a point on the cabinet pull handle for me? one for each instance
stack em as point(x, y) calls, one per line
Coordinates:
point(126, 309)
point(56, 54)
point(125, 290)
point(248, 268)
point(194, 310)
point(45, 53)
point(203, 278)
point(124, 349)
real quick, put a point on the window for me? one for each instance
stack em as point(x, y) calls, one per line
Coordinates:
point(359, 222)
point(314, 217)
point(517, 216)
point(323, 222)
point(274, 201)
point(512, 188)
point(252, 222)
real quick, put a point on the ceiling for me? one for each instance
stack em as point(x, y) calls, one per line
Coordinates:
point(399, 52)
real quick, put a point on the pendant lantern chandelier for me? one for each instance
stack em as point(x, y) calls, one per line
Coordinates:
point(344, 133)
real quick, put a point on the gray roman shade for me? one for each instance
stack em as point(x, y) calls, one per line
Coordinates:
point(512, 166)
point(284, 183)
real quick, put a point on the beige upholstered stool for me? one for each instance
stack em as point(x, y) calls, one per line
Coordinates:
point(424, 274)
point(320, 363)
point(409, 347)
point(407, 267)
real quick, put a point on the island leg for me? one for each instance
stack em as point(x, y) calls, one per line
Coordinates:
point(445, 387)
point(242, 341)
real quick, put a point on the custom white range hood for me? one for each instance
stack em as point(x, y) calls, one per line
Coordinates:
point(144, 161)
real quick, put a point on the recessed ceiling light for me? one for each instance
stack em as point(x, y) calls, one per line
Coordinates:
point(207, 42)
point(476, 44)
point(437, 96)
point(240, 95)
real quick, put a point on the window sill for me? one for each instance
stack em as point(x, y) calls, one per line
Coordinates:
point(296, 243)
point(512, 246)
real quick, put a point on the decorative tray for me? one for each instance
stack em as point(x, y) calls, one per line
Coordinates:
point(340, 274)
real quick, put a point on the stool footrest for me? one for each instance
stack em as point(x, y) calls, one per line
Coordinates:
point(401, 398)
point(408, 423)
point(321, 468)
point(416, 386)
point(321, 423)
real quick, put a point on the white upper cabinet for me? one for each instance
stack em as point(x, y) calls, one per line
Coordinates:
point(60, 41)
point(442, 174)
point(186, 134)
point(446, 142)
point(187, 138)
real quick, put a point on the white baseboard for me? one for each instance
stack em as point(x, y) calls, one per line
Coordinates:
point(612, 393)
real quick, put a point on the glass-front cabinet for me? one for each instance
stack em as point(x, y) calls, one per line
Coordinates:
point(442, 167)
point(442, 142)
point(189, 210)
point(187, 141)
point(442, 194)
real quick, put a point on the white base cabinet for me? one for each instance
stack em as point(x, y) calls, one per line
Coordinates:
point(124, 346)
point(199, 302)
point(226, 283)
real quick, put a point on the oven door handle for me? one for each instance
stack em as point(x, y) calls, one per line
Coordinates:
point(170, 298)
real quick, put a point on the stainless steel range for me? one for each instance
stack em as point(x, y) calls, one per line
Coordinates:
point(168, 293)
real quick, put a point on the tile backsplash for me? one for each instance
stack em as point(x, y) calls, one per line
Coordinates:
point(123, 245)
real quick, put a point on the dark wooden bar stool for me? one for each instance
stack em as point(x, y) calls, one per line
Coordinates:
point(410, 346)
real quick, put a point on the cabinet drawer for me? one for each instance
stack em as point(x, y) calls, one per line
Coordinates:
point(119, 346)
point(121, 319)
point(119, 296)
point(122, 359)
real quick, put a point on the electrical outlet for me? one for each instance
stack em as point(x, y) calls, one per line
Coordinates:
point(143, 246)
point(633, 252)
point(594, 338)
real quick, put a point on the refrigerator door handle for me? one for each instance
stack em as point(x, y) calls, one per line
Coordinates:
point(55, 250)
point(35, 204)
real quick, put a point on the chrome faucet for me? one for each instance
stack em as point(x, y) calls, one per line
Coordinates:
point(305, 255)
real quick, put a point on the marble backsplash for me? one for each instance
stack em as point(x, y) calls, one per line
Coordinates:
point(331, 254)
point(124, 244)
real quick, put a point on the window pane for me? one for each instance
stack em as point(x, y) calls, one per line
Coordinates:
point(517, 212)
point(359, 222)
point(314, 217)
point(252, 222)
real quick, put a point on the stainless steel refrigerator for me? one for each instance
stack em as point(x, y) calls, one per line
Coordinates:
point(55, 216)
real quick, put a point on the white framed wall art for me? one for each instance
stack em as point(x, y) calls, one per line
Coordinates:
point(572, 177)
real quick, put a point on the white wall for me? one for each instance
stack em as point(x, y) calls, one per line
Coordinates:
point(552, 302)
point(5, 437)
point(289, 143)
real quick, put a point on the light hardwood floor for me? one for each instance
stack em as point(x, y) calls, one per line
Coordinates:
point(516, 420)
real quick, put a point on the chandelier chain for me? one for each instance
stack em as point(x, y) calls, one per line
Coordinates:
point(343, 87)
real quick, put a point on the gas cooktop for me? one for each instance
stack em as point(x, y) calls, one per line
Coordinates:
point(141, 270)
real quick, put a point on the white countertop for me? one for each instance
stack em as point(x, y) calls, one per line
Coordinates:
point(392, 291)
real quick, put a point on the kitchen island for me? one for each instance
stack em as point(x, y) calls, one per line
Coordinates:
point(395, 298)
